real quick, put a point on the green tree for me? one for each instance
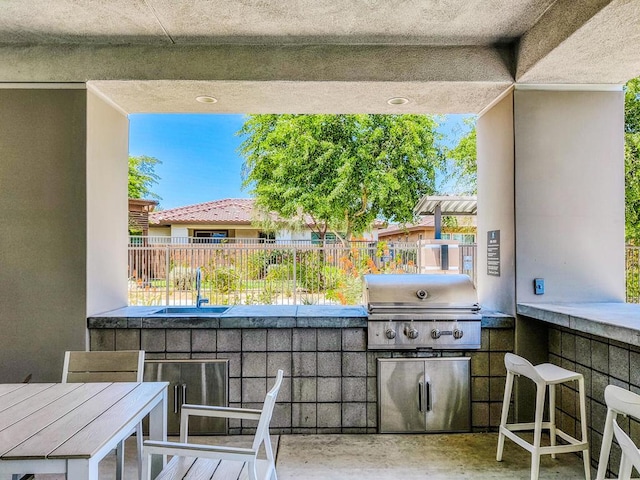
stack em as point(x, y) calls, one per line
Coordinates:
point(632, 160)
point(339, 173)
point(142, 177)
point(462, 163)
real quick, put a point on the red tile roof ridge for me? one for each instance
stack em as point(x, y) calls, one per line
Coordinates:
point(226, 210)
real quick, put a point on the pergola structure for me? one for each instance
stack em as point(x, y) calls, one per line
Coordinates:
point(544, 76)
point(447, 205)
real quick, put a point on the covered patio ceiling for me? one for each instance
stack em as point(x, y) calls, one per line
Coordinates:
point(308, 56)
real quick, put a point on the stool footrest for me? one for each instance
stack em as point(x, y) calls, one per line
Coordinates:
point(516, 427)
point(574, 444)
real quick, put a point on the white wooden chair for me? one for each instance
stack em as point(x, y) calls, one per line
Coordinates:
point(196, 461)
point(120, 366)
point(619, 402)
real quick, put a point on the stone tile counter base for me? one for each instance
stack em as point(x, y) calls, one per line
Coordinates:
point(602, 362)
point(330, 377)
point(330, 381)
point(602, 342)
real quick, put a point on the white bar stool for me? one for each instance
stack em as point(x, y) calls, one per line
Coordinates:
point(619, 401)
point(543, 375)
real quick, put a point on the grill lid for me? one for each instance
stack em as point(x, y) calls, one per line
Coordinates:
point(419, 292)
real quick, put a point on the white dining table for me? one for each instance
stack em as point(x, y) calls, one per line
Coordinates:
point(67, 428)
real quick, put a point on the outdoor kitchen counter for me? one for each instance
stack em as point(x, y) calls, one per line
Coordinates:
point(257, 316)
point(330, 383)
point(614, 321)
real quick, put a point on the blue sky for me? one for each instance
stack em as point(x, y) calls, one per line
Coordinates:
point(199, 155)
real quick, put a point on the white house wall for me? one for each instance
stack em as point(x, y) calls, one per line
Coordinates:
point(288, 235)
point(159, 231)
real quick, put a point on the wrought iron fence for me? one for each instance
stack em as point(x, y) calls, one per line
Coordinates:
point(267, 273)
point(633, 274)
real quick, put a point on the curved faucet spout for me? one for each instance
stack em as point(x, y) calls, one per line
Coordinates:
point(199, 299)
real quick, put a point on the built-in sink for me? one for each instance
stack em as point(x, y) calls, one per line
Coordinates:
point(192, 311)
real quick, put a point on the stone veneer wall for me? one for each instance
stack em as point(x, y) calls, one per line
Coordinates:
point(602, 362)
point(330, 381)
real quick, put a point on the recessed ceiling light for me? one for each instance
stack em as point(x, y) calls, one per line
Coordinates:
point(398, 101)
point(206, 99)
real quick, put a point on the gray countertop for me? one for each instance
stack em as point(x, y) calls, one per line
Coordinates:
point(614, 320)
point(257, 316)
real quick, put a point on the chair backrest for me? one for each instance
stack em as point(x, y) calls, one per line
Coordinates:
point(630, 452)
point(262, 431)
point(622, 401)
point(122, 366)
point(521, 366)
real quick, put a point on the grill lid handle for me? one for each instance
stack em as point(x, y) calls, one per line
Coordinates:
point(421, 294)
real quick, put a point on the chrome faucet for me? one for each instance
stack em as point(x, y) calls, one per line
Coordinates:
point(199, 299)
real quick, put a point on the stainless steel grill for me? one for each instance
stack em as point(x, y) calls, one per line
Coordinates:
point(439, 312)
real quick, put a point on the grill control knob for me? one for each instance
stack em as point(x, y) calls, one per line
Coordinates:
point(411, 332)
point(390, 333)
point(435, 333)
point(421, 294)
point(457, 334)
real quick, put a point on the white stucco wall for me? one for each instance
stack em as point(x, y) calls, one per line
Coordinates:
point(179, 231)
point(496, 204)
point(107, 170)
point(43, 297)
point(569, 193)
point(286, 235)
point(159, 231)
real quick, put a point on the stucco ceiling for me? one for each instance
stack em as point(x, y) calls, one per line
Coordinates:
point(316, 55)
point(415, 22)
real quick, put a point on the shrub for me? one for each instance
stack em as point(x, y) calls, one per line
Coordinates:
point(279, 273)
point(183, 277)
point(349, 292)
point(225, 279)
point(316, 278)
point(267, 294)
point(259, 263)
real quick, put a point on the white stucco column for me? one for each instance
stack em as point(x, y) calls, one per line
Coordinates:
point(569, 195)
point(551, 181)
point(107, 205)
point(496, 205)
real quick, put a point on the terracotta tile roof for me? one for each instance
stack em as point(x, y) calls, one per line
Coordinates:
point(229, 211)
point(236, 211)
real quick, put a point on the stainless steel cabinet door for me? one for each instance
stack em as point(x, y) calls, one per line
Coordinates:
point(205, 383)
point(400, 393)
point(157, 371)
point(424, 395)
point(196, 382)
point(447, 395)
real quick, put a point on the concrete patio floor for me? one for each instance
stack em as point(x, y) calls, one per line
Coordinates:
point(408, 457)
point(388, 457)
